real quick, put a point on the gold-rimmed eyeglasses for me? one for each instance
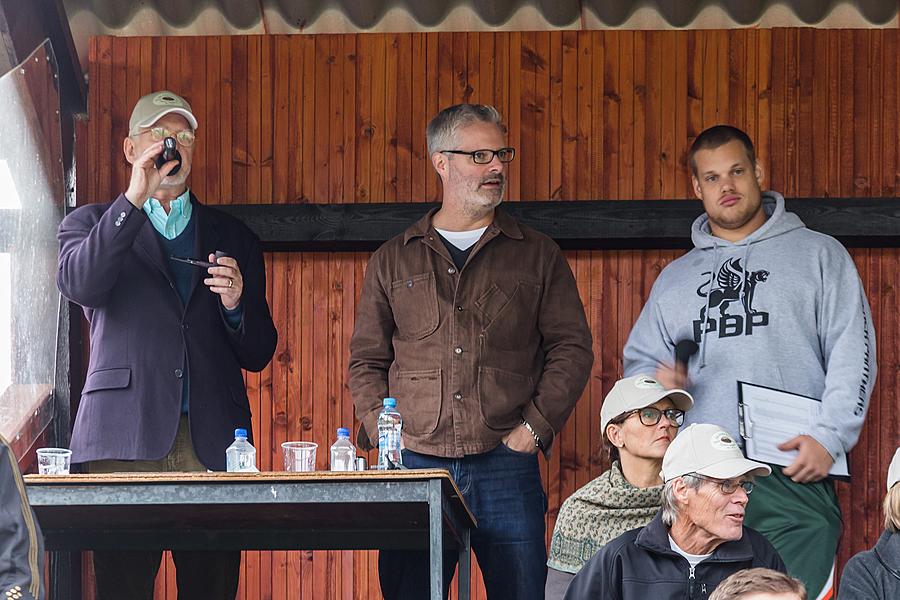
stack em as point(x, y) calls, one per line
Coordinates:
point(184, 137)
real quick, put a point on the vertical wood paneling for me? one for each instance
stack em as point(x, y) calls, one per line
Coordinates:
point(341, 118)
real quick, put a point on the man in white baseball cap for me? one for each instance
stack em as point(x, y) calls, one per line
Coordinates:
point(698, 537)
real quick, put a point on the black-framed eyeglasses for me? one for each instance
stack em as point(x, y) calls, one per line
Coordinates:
point(485, 156)
point(727, 486)
point(184, 137)
point(650, 415)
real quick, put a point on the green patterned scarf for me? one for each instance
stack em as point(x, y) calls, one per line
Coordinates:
point(599, 512)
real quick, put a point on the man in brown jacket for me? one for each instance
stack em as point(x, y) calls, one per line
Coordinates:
point(474, 324)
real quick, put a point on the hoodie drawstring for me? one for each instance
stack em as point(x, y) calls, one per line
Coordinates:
point(746, 274)
point(712, 278)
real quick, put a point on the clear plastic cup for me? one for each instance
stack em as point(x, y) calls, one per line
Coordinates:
point(54, 461)
point(299, 456)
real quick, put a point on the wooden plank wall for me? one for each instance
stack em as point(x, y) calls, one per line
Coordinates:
point(341, 118)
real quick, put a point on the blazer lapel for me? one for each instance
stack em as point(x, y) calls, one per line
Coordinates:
point(206, 240)
point(151, 251)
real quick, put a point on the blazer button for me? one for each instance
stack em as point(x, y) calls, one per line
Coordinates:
point(179, 373)
point(185, 326)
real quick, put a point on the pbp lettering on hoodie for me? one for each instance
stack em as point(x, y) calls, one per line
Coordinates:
point(732, 284)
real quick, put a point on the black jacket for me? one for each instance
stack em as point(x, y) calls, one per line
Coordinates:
point(640, 564)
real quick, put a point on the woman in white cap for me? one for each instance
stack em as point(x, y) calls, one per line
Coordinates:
point(638, 419)
point(875, 574)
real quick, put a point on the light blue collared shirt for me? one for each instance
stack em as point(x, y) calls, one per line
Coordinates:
point(172, 224)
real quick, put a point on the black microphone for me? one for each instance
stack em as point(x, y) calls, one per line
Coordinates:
point(169, 153)
point(684, 350)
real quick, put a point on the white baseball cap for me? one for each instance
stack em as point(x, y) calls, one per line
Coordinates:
point(154, 106)
point(894, 470)
point(637, 392)
point(708, 450)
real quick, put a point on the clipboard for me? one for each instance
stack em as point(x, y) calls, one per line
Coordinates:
point(768, 417)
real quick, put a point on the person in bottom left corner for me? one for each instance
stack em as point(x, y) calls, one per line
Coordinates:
point(169, 335)
point(21, 542)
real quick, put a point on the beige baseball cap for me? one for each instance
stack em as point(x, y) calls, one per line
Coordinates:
point(636, 392)
point(894, 470)
point(154, 106)
point(708, 450)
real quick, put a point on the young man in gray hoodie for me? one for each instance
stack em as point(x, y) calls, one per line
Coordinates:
point(772, 303)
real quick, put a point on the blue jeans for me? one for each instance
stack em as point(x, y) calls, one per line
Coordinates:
point(503, 490)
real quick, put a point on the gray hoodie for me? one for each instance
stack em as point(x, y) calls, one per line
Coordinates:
point(782, 308)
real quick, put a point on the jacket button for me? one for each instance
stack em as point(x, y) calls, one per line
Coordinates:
point(459, 308)
point(457, 396)
point(458, 350)
point(179, 373)
point(185, 326)
point(451, 270)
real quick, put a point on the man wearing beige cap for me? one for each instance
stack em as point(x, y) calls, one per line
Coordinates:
point(698, 537)
point(164, 390)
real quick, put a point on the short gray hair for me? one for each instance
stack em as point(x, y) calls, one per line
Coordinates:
point(441, 132)
point(669, 506)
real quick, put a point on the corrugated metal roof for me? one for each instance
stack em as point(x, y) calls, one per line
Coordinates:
point(234, 17)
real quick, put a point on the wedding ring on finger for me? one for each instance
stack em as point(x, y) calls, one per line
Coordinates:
point(231, 283)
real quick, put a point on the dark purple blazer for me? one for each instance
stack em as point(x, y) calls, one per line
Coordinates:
point(142, 336)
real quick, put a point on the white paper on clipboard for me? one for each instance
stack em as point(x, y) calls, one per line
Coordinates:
point(769, 417)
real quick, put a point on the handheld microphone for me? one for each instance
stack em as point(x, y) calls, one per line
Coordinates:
point(684, 350)
point(170, 152)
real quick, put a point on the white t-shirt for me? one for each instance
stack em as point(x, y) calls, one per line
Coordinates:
point(693, 559)
point(462, 239)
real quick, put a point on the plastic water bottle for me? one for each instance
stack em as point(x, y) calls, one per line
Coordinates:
point(389, 425)
point(343, 452)
point(240, 457)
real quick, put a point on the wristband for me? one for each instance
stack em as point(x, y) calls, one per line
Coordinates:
point(537, 438)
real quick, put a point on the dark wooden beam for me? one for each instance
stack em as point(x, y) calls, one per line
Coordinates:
point(24, 25)
point(593, 224)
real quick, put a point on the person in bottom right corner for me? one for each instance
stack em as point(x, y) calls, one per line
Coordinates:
point(875, 574)
point(760, 584)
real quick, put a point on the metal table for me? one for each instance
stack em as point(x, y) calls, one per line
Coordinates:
point(407, 509)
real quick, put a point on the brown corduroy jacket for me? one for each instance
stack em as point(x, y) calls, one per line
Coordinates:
point(469, 353)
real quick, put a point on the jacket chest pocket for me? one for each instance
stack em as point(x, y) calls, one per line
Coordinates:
point(510, 318)
point(415, 307)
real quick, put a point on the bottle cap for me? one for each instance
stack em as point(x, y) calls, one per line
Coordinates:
point(343, 432)
point(392, 402)
point(240, 433)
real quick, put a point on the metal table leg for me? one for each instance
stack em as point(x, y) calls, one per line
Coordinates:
point(464, 579)
point(436, 541)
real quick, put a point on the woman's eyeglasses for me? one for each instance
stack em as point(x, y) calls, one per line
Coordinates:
point(650, 415)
